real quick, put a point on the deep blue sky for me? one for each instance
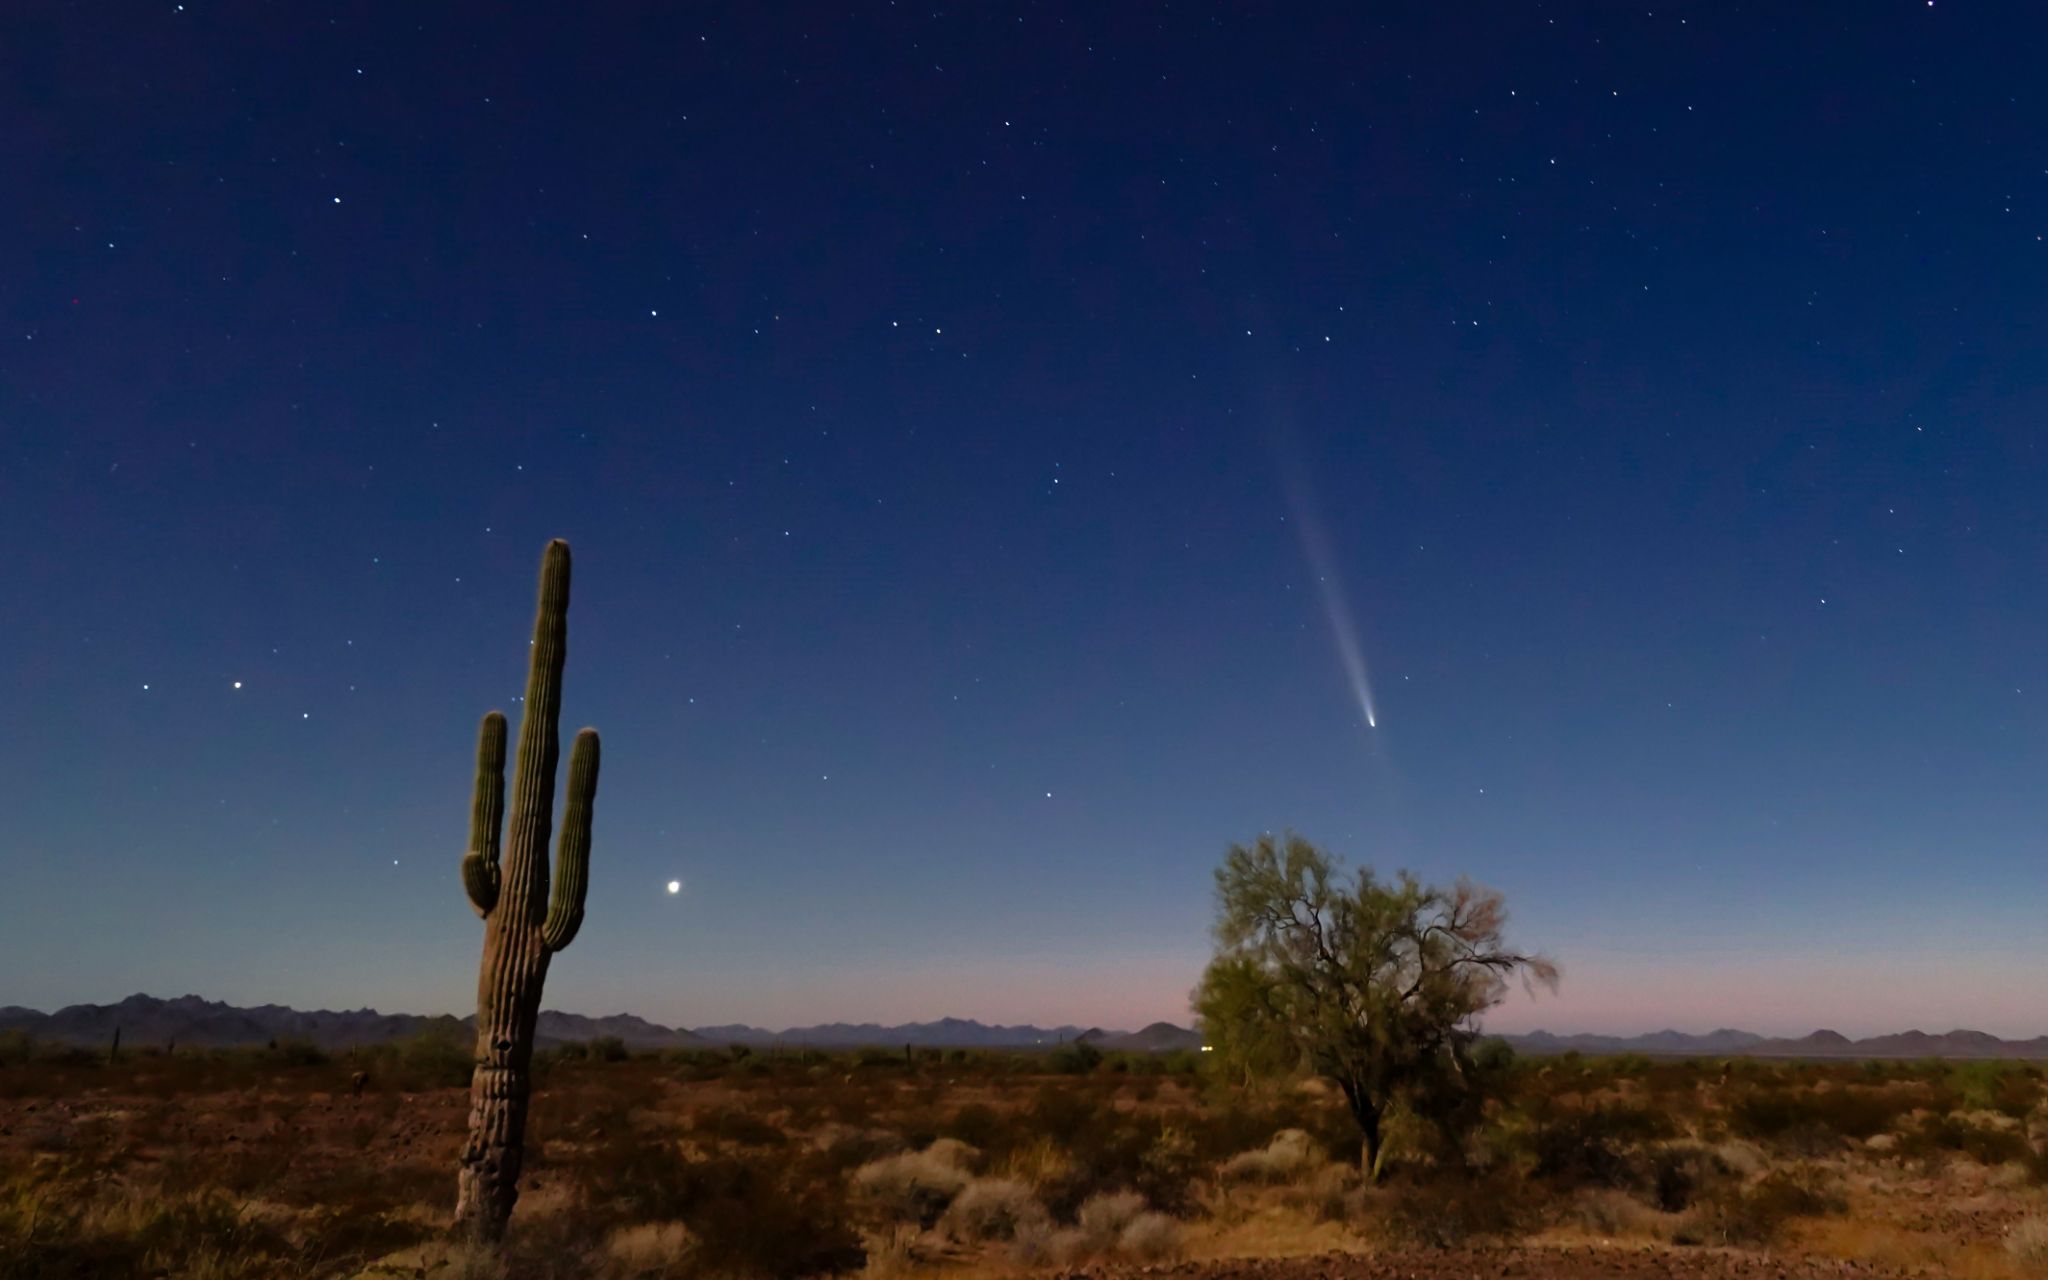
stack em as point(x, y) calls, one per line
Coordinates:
point(918, 389)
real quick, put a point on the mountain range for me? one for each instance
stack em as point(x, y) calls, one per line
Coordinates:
point(190, 1020)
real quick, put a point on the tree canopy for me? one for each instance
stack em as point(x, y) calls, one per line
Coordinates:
point(1372, 984)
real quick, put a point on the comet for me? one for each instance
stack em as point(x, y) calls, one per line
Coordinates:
point(1322, 566)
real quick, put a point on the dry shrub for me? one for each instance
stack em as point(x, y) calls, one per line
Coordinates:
point(1151, 1237)
point(1595, 1146)
point(994, 1209)
point(1330, 1192)
point(1290, 1154)
point(731, 1124)
point(2027, 1245)
point(1614, 1215)
point(650, 1249)
point(1112, 1225)
point(1458, 1209)
point(1814, 1119)
point(753, 1212)
point(1103, 1217)
point(1757, 1213)
point(917, 1186)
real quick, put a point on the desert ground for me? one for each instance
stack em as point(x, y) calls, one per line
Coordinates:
point(295, 1161)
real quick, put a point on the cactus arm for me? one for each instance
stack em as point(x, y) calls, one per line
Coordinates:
point(486, 816)
point(572, 848)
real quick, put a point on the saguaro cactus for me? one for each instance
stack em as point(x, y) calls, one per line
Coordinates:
point(523, 926)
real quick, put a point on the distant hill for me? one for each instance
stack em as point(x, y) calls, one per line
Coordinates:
point(1658, 1042)
point(1160, 1037)
point(1820, 1044)
point(946, 1033)
point(189, 1020)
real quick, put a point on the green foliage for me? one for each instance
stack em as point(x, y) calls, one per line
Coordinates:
point(1815, 1118)
point(1594, 1146)
point(17, 1048)
point(428, 1060)
point(1371, 984)
point(1938, 1136)
point(1076, 1059)
point(1757, 1213)
point(298, 1053)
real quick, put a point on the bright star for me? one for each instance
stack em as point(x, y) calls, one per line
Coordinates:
point(675, 886)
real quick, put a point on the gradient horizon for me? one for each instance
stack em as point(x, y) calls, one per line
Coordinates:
point(932, 400)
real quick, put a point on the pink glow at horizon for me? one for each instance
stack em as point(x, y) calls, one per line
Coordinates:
point(1855, 995)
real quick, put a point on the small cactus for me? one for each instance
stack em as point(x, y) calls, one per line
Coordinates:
point(523, 925)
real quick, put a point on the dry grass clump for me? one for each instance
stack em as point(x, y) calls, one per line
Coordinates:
point(917, 1186)
point(650, 1249)
point(2027, 1245)
point(994, 1209)
point(1616, 1215)
point(1757, 1213)
point(1151, 1237)
point(1114, 1225)
point(1290, 1154)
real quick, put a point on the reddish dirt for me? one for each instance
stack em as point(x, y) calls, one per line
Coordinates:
point(1582, 1263)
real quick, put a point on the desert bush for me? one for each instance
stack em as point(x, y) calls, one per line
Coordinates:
point(1596, 1146)
point(734, 1124)
point(1448, 1211)
point(1611, 1214)
point(1680, 1172)
point(994, 1209)
point(917, 1186)
point(1102, 1218)
point(1814, 1119)
point(1290, 1154)
point(650, 1249)
point(1151, 1237)
point(1757, 1213)
point(752, 1212)
point(2026, 1243)
point(429, 1060)
point(1076, 1059)
point(297, 1053)
point(2009, 1088)
point(982, 1126)
point(56, 1225)
point(1938, 1136)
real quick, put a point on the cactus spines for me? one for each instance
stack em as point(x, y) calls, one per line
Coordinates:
point(523, 926)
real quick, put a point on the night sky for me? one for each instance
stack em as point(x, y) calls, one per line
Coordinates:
point(1003, 447)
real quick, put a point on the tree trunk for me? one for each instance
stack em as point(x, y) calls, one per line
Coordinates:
point(1368, 1113)
point(1375, 1148)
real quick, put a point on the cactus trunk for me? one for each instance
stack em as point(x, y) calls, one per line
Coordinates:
point(522, 930)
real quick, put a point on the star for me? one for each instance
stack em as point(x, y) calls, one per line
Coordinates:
point(675, 886)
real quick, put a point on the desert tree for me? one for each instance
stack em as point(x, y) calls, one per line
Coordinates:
point(1374, 985)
